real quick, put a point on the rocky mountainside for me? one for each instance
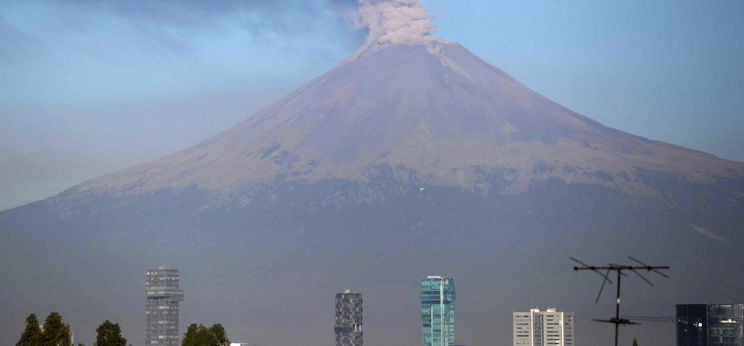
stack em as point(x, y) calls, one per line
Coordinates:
point(431, 112)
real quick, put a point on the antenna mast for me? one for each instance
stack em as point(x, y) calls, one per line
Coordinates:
point(604, 271)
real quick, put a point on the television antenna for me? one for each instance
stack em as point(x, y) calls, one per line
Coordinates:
point(604, 272)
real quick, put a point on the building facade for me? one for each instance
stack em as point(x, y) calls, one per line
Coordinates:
point(710, 324)
point(349, 316)
point(161, 306)
point(543, 328)
point(438, 311)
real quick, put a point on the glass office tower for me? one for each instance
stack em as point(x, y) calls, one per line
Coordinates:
point(438, 311)
point(710, 325)
point(161, 306)
point(348, 327)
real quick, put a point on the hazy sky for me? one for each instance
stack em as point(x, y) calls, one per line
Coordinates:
point(88, 87)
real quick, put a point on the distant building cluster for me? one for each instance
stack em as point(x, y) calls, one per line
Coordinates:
point(696, 324)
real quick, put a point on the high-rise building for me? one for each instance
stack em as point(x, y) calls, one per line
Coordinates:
point(348, 327)
point(161, 306)
point(710, 325)
point(438, 311)
point(543, 328)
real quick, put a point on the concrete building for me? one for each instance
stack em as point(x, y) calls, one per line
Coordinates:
point(161, 307)
point(710, 324)
point(438, 311)
point(349, 318)
point(543, 328)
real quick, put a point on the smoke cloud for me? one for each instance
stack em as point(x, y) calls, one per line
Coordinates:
point(395, 22)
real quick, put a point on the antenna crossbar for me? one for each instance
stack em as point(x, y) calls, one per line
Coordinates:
point(604, 271)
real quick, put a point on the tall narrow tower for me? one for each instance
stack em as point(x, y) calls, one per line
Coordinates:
point(348, 327)
point(161, 306)
point(438, 311)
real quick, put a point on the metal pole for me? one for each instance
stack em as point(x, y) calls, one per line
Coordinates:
point(617, 308)
point(619, 268)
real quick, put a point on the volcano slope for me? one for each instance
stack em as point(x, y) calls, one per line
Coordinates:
point(403, 161)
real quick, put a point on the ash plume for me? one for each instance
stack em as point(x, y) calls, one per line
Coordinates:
point(395, 22)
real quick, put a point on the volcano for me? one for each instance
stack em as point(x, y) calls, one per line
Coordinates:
point(431, 113)
point(407, 159)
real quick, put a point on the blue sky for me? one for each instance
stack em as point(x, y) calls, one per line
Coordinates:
point(89, 86)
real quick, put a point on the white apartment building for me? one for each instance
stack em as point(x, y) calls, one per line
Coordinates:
point(543, 328)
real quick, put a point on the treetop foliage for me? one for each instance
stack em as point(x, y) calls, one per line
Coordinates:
point(199, 335)
point(109, 334)
point(53, 333)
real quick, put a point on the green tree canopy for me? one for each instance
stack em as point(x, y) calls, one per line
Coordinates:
point(635, 342)
point(219, 332)
point(55, 332)
point(32, 334)
point(199, 335)
point(109, 334)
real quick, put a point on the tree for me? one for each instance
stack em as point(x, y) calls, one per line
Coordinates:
point(32, 334)
point(635, 342)
point(219, 332)
point(199, 335)
point(55, 332)
point(109, 334)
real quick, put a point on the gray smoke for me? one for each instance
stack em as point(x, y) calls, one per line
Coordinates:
point(396, 22)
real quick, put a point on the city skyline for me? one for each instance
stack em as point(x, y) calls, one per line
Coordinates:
point(696, 324)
